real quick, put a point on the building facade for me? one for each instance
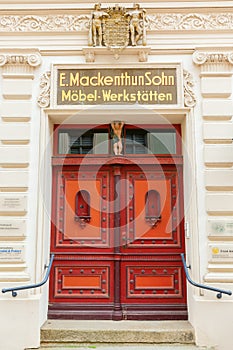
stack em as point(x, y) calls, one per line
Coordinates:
point(116, 157)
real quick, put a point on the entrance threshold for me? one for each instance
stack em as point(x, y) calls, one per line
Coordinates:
point(125, 332)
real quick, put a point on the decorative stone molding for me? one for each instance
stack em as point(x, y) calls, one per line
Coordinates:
point(89, 55)
point(160, 21)
point(189, 96)
point(143, 55)
point(45, 87)
point(32, 60)
point(214, 62)
point(43, 23)
point(141, 52)
point(190, 21)
point(200, 57)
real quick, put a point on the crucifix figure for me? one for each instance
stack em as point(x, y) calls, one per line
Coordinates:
point(117, 142)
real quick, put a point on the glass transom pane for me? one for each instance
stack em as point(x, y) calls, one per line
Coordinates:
point(162, 142)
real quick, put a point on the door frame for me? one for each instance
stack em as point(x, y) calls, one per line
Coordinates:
point(59, 161)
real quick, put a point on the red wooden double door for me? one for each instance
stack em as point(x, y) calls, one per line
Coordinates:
point(117, 235)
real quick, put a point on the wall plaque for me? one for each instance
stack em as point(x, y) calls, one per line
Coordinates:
point(13, 204)
point(92, 86)
point(221, 252)
point(12, 228)
point(12, 254)
point(220, 228)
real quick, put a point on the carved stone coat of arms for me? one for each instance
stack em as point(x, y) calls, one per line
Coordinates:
point(116, 28)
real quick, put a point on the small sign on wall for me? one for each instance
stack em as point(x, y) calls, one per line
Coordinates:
point(12, 254)
point(13, 204)
point(12, 228)
point(220, 228)
point(221, 253)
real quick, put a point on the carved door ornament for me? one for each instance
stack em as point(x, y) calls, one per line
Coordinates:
point(117, 127)
point(153, 208)
point(82, 208)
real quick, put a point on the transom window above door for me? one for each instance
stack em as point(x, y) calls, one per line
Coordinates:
point(159, 139)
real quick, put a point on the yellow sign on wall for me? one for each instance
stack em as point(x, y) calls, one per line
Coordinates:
point(117, 86)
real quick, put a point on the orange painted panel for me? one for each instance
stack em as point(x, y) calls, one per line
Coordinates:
point(82, 282)
point(158, 280)
point(153, 282)
point(86, 280)
point(72, 228)
point(163, 228)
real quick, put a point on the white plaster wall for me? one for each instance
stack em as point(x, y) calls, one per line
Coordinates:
point(19, 321)
point(210, 316)
point(26, 134)
point(19, 151)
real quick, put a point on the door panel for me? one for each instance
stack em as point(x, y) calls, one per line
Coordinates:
point(83, 281)
point(143, 231)
point(152, 282)
point(71, 230)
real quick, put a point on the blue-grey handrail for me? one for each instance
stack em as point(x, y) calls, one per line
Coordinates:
point(30, 286)
point(203, 286)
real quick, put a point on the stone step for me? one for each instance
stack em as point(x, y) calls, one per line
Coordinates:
point(122, 347)
point(112, 332)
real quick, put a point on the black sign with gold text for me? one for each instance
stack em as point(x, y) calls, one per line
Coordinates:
point(117, 86)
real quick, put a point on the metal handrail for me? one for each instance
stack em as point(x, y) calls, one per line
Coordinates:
point(202, 286)
point(30, 286)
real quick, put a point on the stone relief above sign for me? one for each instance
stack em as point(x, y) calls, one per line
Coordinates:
point(116, 27)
